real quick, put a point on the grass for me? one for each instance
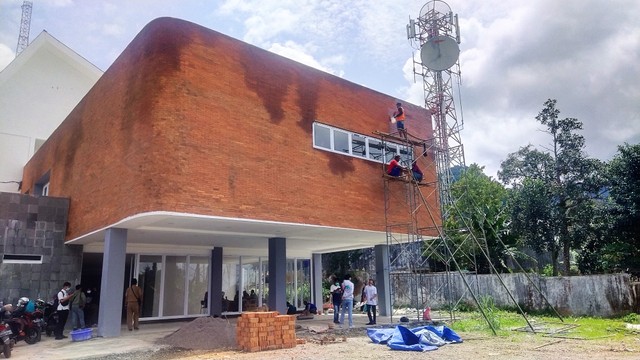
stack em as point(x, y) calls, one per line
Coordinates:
point(505, 322)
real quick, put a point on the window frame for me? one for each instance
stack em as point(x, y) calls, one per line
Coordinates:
point(378, 156)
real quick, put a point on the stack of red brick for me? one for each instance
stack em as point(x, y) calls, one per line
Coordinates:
point(258, 331)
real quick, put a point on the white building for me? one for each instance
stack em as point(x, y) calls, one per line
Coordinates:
point(37, 91)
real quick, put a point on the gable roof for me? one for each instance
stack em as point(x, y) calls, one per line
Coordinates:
point(46, 42)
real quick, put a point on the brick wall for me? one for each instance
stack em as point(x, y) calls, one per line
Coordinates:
point(259, 331)
point(32, 225)
point(192, 121)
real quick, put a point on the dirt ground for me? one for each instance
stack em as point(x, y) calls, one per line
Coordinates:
point(476, 348)
point(207, 340)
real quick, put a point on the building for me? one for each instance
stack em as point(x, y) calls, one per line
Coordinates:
point(37, 91)
point(198, 163)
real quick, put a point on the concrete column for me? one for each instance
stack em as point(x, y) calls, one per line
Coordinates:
point(316, 280)
point(277, 274)
point(215, 283)
point(382, 279)
point(112, 286)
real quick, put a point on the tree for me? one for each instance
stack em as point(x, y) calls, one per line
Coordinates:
point(623, 175)
point(570, 178)
point(480, 208)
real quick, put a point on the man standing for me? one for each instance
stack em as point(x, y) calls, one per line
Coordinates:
point(347, 300)
point(133, 298)
point(371, 299)
point(336, 299)
point(78, 300)
point(400, 116)
point(63, 310)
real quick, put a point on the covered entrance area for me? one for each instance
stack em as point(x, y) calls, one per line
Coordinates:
point(239, 264)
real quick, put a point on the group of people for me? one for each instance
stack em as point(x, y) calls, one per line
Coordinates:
point(79, 303)
point(342, 300)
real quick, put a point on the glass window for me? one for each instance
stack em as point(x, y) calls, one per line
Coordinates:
point(340, 141)
point(321, 136)
point(406, 155)
point(149, 279)
point(375, 149)
point(174, 289)
point(358, 145)
point(198, 278)
point(304, 281)
point(390, 150)
point(252, 280)
point(230, 281)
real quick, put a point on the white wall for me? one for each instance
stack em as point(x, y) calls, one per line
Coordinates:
point(38, 90)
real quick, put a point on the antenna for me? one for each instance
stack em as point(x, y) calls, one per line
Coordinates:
point(25, 27)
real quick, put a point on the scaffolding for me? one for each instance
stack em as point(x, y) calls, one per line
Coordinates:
point(416, 211)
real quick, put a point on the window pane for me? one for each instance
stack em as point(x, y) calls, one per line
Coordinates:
point(251, 274)
point(340, 141)
point(198, 277)
point(304, 282)
point(321, 136)
point(375, 149)
point(174, 282)
point(390, 151)
point(230, 283)
point(358, 145)
point(149, 277)
point(406, 155)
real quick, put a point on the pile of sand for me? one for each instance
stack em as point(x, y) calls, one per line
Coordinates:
point(205, 333)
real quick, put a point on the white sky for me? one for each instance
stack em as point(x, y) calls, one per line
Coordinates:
point(515, 54)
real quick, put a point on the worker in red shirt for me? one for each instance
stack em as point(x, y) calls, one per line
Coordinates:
point(394, 168)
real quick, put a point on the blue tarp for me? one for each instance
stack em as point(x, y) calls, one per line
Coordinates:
point(423, 338)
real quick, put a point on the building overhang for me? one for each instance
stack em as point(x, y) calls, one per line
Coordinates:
point(169, 232)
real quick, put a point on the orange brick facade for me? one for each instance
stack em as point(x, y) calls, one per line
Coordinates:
point(192, 121)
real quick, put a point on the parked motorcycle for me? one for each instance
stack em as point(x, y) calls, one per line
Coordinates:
point(49, 316)
point(6, 335)
point(30, 324)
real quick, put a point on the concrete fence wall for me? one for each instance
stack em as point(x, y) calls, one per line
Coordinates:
point(593, 295)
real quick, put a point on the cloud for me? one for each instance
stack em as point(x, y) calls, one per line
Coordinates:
point(300, 54)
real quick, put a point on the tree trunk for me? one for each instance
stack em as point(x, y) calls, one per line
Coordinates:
point(554, 261)
point(566, 255)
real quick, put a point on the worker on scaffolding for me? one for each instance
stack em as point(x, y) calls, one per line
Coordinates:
point(399, 117)
point(394, 168)
point(416, 172)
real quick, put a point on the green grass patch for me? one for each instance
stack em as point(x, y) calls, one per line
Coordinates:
point(506, 322)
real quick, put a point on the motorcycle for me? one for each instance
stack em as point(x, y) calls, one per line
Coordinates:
point(30, 324)
point(6, 335)
point(49, 316)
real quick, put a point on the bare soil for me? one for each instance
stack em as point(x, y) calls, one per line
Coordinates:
point(209, 338)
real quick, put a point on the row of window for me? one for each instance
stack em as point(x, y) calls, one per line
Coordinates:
point(344, 142)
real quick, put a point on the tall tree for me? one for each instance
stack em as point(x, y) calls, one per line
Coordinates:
point(570, 177)
point(623, 175)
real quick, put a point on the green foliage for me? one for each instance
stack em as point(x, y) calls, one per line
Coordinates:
point(477, 222)
point(490, 311)
point(554, 191)
point(632, 318)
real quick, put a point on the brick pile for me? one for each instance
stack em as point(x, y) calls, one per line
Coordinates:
point(259, 331)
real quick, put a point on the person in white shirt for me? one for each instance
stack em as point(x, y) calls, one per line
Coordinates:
point(347, 300)
point(371, 299)
point(63, 310)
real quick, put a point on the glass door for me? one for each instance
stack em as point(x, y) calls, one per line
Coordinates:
point(150, 279)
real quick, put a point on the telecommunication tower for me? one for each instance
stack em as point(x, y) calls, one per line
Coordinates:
point(436, 34)
point(25, 27)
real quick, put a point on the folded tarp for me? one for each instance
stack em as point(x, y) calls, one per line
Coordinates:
point(423, 338)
